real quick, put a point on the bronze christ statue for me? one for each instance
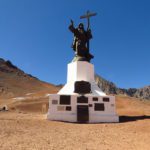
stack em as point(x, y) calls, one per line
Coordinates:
point(81, 39)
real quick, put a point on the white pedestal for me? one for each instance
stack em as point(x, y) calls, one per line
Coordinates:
point(80, 71)
point(96, 105)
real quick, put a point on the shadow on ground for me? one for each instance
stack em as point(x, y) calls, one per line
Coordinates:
point(132, 118)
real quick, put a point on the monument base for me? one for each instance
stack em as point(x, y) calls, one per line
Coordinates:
point(88, 109)
point(81, 100)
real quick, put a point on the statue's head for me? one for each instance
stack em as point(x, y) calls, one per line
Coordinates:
point(81, 26)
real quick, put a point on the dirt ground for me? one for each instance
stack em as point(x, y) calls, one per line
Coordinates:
point(22, 129)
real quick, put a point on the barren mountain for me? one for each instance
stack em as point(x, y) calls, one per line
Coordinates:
point(14, 82)
point(110, 88)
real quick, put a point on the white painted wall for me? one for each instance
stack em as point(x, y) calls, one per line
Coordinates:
point(109, 115)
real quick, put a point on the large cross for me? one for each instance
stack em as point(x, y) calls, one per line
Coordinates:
point(88, 15)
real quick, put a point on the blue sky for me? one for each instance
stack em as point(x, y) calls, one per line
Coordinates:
point(34, 35)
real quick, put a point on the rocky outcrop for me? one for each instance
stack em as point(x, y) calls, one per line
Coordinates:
point(106, 86)
point(143, 93)
point(110, 88)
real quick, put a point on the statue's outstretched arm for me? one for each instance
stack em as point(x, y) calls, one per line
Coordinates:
point(72, 23)
point(71, 27)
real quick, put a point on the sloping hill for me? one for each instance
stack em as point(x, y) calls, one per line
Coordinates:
point(14, 82)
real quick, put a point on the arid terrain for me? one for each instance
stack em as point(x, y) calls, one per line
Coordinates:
point(24, 127)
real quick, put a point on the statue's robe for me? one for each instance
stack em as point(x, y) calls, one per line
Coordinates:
point(81, 37)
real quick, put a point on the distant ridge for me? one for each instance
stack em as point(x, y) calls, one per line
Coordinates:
point(110, 88)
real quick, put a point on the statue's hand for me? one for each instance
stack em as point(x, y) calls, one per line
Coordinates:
point(89, 30)
point(72, 23)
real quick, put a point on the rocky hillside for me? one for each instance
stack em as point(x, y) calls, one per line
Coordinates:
point(110, 88)
point(143, 93)
point(14, 82)
point(106, 86)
